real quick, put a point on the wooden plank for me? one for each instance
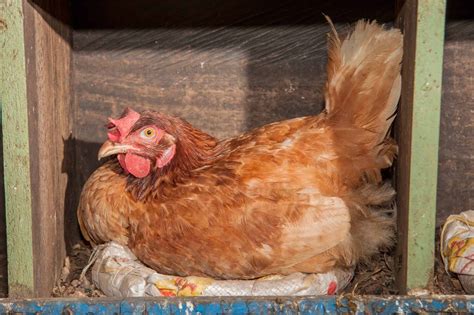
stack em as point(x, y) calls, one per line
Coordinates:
point(348, 304)
point(456, 151)
point(16, 151)
point(3, 234)
point(48, 54)
point(36, 116)
point(418, 136)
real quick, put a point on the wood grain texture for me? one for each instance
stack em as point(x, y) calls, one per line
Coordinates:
point(48, 71)
point(456, 155)
point(418, 130)
point(16, 149)
point(403, 132)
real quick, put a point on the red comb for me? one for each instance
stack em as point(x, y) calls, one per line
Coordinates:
point(120, 128)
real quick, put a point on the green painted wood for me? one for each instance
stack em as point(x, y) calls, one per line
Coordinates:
point(13, 100)
point(428, 65)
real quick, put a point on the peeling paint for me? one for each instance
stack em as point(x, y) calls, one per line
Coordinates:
point(241, 305)
point(13, 101)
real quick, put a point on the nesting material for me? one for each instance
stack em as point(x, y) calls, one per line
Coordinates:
point(375, 277)
point(72, 283)
point(457, 247)
point(118, 273)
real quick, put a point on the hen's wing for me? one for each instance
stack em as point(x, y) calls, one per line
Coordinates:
point(310, 225)
point(324, 225)
point(104, 206)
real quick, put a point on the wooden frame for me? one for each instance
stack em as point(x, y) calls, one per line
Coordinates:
point(418, 137)
point(35, 61)
point(16, 150)
point(36, 111)
point(348, 304)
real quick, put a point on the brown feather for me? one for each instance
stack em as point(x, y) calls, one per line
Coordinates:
point(297, 195)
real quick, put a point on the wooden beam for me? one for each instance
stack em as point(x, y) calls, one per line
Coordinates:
point(418, 137)
point(48, 55)
point(16, 153)
point(35, 62)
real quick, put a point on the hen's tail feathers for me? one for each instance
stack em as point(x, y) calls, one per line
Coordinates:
point(363, 85)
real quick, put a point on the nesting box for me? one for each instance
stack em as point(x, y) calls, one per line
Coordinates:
point(225, 66)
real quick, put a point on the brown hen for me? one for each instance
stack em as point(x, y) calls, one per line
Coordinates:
point(301, 195)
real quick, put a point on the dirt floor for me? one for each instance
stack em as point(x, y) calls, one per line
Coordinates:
point(70, 284)
point(377, 277)
point(374, 278)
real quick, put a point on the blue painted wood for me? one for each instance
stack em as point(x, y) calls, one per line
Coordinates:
point(236, 305)
point(61, 306)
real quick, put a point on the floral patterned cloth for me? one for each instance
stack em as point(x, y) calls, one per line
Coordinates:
point(118, 273)
point(457, 243)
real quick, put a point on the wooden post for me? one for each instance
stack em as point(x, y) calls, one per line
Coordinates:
point(418, 134)
point(35, 96)
point(16, 151)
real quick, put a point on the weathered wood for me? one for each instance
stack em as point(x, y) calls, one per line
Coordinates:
point(418, 135)
point(48, 55)
point(16, 151)
point(456, 151)
point(36, 117)
point(348, 304)
point(3, 233)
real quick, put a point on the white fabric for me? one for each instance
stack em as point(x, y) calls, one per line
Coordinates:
point(118, 273)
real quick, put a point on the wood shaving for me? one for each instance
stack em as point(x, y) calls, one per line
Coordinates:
point(70, 283)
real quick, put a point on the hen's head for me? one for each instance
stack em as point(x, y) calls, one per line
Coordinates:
point(142, 142)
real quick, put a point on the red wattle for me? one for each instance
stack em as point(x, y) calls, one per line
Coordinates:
point(134, 164)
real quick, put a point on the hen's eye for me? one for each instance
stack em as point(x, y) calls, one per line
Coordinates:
point(148, 133)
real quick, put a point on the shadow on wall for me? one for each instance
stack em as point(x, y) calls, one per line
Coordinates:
point(87, 156)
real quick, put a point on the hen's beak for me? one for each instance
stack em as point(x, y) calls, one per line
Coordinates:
point(110, 148)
